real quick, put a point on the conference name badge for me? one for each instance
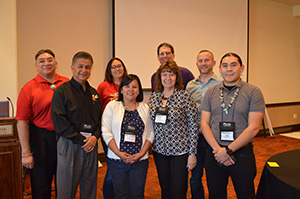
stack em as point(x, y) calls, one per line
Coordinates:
point(227, 131)
point(86, 130)
point(161, 115)
point(130, 133)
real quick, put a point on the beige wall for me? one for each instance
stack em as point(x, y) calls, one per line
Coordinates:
point(72, 25)
point(274, 60)
point(66, 27)
point(274, 51)
point(8, 50)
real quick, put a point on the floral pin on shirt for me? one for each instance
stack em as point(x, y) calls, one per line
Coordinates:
point(95, 97)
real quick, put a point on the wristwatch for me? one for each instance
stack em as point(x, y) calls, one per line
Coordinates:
point(228, 151)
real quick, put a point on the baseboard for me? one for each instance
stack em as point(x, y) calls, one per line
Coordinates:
point(283, 129)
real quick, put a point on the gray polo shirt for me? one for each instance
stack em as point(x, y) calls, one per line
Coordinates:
point(249, 99)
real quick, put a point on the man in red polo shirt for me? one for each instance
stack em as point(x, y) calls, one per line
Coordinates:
point(35, 126)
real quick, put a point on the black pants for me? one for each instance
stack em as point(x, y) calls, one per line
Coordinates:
point(242, 174)
point(197, 189)
point(172, 175)
point(43, 147)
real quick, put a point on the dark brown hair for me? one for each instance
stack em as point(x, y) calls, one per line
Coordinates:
point(231, 54)
point(172, 67)
point(166, 45)
point(108, 75)
point(127, 80)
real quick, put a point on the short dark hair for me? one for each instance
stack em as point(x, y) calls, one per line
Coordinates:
point(108, 76)
point(127, 80)
point(172, 66)
point(82, 54)
point(166, 45)
point(231, 54)
point(44, 51)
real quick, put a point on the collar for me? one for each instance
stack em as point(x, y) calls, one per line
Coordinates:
point(40, 79)
point(78, 86)
point(240, 84)
point(171, 98)
point(213, 77)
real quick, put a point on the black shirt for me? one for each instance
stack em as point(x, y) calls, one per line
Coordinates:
point(73, 109)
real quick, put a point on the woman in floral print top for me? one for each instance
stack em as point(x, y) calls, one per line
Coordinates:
point(174, 115)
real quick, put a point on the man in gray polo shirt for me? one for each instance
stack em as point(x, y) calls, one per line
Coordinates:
point(232, 113)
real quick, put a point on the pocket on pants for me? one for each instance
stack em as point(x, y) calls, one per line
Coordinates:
point(62, 146)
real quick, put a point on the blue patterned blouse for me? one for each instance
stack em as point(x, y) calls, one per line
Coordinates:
point(132, 118)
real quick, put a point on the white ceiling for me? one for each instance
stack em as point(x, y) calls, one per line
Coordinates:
point(288, 2)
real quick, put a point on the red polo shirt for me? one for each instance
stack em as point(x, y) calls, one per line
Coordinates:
point(34, 101)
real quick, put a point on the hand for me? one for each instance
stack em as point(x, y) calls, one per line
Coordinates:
point(192, 162)
point(125, 157)
point(90, 144)
point(220, 155)
point(134, 158)
point(229, 162)
point(28, 162)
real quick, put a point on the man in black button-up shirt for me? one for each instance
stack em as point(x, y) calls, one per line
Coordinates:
point(76, 114)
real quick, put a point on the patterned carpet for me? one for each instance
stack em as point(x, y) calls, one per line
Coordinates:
point(264, 148)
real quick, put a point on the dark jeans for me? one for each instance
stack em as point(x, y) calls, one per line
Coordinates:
point(128, 179)
point(43, 148)
point(242, 174)
point(197, 189)
point(108, 187)
point(172, 175)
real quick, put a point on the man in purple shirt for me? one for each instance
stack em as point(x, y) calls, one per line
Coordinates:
point(165, 52)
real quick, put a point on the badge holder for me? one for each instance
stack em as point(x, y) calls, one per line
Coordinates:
point(86, 130)
point(227, 132)
point(161, 115)
point(130, 134)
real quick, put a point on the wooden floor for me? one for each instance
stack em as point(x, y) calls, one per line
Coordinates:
point(264, 148)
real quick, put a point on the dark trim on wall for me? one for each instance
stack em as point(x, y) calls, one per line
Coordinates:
point(283, 129)
point(248, 10)
point(282, 104)
point(113, 30)
point(147, 90)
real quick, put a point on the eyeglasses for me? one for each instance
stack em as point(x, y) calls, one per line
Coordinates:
point(116, 66)
point(42, 61)
point(164, 53)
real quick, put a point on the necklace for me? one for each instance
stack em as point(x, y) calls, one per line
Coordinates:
point(52, 86)
point(164, 98)
point(128, 108)
point(225, 109)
